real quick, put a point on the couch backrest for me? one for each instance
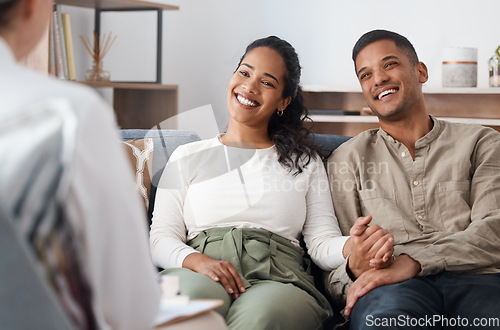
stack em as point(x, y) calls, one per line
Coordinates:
point(165, 142)
point(329, 142)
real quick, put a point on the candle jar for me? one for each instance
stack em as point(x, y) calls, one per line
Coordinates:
point(459, 67)
point(494, 65)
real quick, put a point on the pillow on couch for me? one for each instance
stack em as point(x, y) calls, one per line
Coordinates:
point(165, 141)
point(140, 154)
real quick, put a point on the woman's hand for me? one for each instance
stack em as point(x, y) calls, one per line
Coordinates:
point(219, 271)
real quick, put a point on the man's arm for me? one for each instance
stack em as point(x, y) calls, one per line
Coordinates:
point(403, 268)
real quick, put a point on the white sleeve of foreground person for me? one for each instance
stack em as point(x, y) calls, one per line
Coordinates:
point(103, 200)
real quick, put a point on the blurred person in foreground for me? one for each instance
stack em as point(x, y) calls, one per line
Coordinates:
point(67, 195)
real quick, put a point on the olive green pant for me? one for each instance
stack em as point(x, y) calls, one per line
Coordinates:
point(279, 294)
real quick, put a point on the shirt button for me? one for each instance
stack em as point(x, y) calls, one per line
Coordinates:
point(403, 154)
point(415, 183)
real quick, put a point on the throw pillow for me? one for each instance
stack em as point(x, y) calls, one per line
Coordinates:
point(140, 154)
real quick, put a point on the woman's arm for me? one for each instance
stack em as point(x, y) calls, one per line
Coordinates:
point(321, 231)
point(370, 246)
point(168, 232)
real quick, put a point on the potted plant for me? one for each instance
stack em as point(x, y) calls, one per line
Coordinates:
point(495, 69)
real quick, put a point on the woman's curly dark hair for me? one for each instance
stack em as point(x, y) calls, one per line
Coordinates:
point(292, 139)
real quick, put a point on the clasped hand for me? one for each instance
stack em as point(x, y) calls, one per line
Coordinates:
point(372, 261)
point(370, 247)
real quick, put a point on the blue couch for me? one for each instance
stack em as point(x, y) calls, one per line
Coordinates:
point(165, 142)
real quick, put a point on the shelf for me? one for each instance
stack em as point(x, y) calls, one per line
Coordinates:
point(116, 4)
point(121, 85)
point(471, 105)
point(136, 105)
point(374, 119)
point(353, 125)
point(463, 103)
point(425, 89)
point(465, 90)
point(141, 105)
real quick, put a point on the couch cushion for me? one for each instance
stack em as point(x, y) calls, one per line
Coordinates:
point(164, 143)
point(140, 154)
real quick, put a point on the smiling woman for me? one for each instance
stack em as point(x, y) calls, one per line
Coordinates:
point(230, 211)
point(269, 73)
point(254, 93)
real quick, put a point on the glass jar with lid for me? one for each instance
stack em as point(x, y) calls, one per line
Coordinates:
point(494, 65)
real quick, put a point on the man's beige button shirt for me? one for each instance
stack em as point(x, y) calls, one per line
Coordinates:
point(442, 207)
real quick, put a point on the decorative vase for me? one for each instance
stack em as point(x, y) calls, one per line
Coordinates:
point(97, 73)
point(494, 64)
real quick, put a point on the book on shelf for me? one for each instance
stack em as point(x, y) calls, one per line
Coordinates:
point(61, 57)
point(50, 51)
point(70, 55)
point(57, 47)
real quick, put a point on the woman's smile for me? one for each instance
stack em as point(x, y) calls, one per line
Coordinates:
point(246, 101)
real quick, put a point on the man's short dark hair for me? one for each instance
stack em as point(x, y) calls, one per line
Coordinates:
point(376, 35)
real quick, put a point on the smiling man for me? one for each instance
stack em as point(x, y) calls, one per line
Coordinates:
point(438, 193)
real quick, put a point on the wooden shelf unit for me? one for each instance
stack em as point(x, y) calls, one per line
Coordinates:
point(115, 4)
point(474, 105)
point(140, 105)
point(137, 105)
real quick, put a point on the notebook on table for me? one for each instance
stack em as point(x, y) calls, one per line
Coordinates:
point(172, 313)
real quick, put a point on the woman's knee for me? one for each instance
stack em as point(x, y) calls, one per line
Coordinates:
point(265, 308)
point(199, 286)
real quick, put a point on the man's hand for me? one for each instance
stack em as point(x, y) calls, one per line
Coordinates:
point(370, 247)
point(403, 268)
point(219, 271)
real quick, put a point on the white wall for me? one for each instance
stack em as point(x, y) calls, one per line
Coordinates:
point(204, 39)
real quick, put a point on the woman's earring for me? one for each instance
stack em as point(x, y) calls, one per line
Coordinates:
point(280, 112)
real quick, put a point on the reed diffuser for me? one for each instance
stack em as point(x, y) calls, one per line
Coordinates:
point(101, 46)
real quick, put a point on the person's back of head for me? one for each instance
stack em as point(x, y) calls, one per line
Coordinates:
point(7, 8)
point(23, 23)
